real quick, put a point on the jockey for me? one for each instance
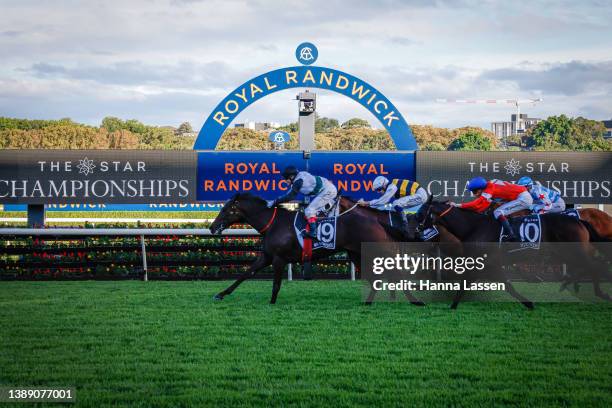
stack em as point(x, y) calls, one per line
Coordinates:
point(397, 193)
point(320, 189)
point(545, 200)
point(517, 198)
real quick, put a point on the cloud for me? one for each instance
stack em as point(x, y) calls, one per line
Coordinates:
point(166, 61)
point(89, 104)
point(403, 41)
point(570, 79)
point(187, 74)
point(10, 33)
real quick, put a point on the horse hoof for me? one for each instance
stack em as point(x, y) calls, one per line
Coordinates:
point(418, 303)
point(529, 305)
point(453, 307)
point(367, 303)
point(217, 297)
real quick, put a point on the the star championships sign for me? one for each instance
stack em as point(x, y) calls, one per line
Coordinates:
point(580, 177)
point(97, 176)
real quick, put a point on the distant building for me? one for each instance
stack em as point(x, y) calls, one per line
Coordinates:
point(188, 134)
point(258, 125)
point(514, 127)
point(608, 125)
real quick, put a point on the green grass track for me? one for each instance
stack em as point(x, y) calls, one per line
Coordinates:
point(169, 344)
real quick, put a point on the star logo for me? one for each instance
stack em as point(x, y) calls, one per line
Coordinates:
point(85, 166)
point(513, 167)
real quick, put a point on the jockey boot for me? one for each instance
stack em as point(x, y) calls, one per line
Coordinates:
point(312, 224)
point(403, 219)
point(507, 229)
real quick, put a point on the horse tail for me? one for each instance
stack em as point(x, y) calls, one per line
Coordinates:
point(593, 235)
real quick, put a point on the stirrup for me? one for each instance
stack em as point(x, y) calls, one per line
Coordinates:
point(510, 238)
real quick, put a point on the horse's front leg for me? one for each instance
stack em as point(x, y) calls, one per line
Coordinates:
point(512, 291)
point(457, 298)
point(596, 284)
point(279, 267)
point(413, 299)
point(371, 295)
point(260, 263)
point(355, 258)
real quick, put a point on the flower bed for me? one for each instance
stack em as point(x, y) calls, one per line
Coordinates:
point(168, 257)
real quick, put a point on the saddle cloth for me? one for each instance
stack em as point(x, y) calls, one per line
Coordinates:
point(528, 229)
point(326, 231)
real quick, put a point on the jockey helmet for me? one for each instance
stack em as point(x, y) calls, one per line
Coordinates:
point(477, 183)
point(290, 171)
point(525, 181)
point(379, 183)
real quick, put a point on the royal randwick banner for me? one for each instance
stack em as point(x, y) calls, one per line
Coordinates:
point(223, 174)
point(97, 176)
point(580, 177)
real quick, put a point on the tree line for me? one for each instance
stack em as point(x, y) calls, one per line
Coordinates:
point(554, 133)
point(113, 133)
point(565, 133)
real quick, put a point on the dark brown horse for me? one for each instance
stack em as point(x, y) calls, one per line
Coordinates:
point(280, 244)
point(387, 218)
point(469, 226)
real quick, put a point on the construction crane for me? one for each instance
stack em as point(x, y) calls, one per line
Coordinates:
point(516, 102)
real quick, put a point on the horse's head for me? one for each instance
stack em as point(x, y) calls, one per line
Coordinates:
point(429, 212)
point(235, 211)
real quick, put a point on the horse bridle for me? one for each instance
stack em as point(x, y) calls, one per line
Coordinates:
point(234, 210)
point(421, 225)
point(269, 224)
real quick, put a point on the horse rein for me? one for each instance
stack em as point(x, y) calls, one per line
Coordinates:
point(349, 210)
point(443, 213)
point(269, 224)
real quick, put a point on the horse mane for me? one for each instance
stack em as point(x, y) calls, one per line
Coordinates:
point(476, 216)
point(250, 197)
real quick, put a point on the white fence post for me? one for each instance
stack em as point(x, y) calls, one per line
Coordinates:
point(352, 271)
point(144, 257)
point(290, 272)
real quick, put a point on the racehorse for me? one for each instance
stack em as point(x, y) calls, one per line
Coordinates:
point(280, 244)
point(470, 226)
point(387, 218)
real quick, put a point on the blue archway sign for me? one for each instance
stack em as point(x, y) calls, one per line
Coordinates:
point(305, 77)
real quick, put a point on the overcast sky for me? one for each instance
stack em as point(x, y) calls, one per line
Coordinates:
point(168, 61)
